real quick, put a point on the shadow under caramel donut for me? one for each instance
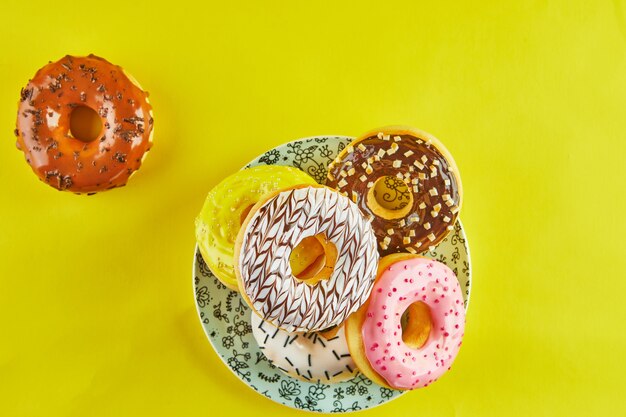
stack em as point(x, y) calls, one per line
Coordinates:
point(406, 182)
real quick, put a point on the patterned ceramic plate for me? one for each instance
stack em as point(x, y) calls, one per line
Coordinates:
point(226, 318)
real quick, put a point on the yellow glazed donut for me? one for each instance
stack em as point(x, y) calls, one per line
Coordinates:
point(227, 206)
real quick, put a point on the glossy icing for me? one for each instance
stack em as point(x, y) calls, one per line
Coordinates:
point(419, 164)
point(400, 285)
point(219, 222)
point(307, 356)
point(271, 234)
point(43, 124)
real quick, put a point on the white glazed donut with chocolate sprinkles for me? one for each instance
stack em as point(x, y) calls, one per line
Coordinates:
point(307, 356)
point(274, 227)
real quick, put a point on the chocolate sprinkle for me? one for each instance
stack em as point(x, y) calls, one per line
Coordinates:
point(119, 157)
point(26, 94)
point(53, 92)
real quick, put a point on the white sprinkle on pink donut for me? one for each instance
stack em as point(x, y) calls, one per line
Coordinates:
point(402, 284)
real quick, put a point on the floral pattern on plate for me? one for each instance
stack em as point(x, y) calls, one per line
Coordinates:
point(226, 318)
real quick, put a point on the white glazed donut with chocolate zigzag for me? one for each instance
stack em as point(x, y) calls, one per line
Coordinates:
point(310, 357)
point(279, 223)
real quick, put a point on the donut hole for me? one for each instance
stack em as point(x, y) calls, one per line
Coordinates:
point(313, 259)
point(329, 333)
point(390, 198)
point(244, 214)
point(416, 324)
point(85, 124)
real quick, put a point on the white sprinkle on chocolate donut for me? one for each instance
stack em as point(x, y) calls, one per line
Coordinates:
point(431, 190)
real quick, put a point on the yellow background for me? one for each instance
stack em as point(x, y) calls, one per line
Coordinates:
point(96, 307)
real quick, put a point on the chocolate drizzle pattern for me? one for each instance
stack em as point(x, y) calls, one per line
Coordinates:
point(355, 394)
point(428, 175)
point(277, 227)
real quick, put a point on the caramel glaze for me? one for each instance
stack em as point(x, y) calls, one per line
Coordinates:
point(43, 124)
point(356, 169)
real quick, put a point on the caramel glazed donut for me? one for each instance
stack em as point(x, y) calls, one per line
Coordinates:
point(274, 227)
point(420, 171)
point(43, 124)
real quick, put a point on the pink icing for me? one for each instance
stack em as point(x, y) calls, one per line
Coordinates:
point(402, 284)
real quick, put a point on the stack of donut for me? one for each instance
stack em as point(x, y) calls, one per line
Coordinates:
point(334, 273)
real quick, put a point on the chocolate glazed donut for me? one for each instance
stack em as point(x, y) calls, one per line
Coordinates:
point(43, 124)
point(419, 173)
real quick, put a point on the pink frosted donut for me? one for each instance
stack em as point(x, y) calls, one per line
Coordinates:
point(400, 285)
